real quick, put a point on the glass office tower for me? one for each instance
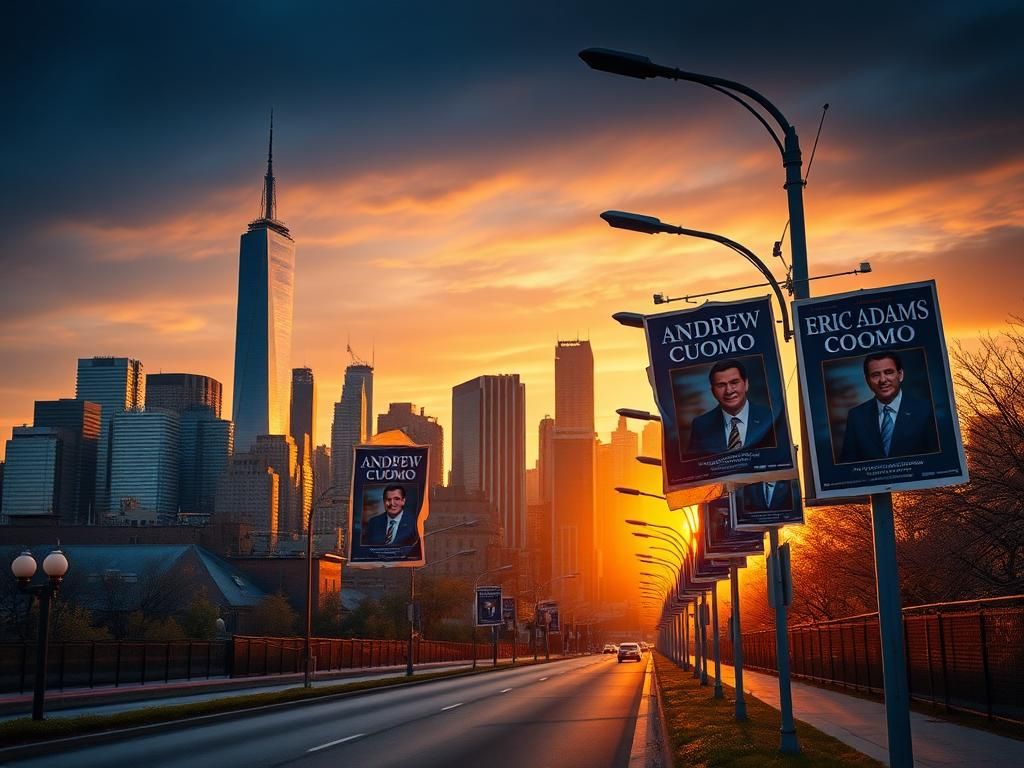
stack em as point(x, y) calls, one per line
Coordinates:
point(263, 333)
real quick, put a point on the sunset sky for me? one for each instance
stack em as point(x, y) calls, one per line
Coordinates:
point(442, 167)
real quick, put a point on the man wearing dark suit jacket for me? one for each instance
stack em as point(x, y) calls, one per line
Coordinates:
point(394, 528)
point(893, 422)
point(771, 495)
point(735, 422)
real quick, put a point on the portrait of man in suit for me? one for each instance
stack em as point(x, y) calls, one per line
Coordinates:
point(736, 422)
point(771, 495)
point(893, 422)
point(395, 526)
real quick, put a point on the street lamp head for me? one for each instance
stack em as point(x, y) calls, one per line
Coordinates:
point(635, 413)
point(629, 319)
point(653, 461)
point(635, 222)
point(642, 535)
point(619, 63)
point(627, 491)
point(55, 565)
point(24, 567)
point(637, 522)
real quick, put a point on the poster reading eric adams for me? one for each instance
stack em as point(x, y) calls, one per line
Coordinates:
point(388, 506)
point(718, 385)
point(877, 391)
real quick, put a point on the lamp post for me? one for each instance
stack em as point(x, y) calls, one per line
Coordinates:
point(633, 65)
point(412, 598)
point(55, 566)
point(411, 608)
point(651, 225)
point(307, 673)
point(536, 613)
point(494, 629)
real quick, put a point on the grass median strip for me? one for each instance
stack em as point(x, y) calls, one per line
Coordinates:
point(703, 731)
point(28, 731)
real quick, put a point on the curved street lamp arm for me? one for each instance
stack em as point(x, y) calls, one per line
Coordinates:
point(750, 256)
point(635, 65)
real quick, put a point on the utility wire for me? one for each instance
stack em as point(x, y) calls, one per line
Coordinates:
point(777, 249)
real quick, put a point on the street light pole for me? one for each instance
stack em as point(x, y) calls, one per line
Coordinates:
point(55, 566)
point(494, 629)
point(307, 674)
point(633, 65)
point(411, 608)
point(412, 596)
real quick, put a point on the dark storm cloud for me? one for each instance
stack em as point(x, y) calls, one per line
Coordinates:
point(122, 107)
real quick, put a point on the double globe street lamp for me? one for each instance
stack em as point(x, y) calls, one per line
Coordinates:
point(55, 566)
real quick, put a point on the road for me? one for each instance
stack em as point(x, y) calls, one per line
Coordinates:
point(578, 712)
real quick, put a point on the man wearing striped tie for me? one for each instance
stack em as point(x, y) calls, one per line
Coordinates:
point(736, 422)
point(394, 528)
point(893, 422)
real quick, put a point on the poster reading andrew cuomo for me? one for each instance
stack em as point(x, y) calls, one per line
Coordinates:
point(718, 384)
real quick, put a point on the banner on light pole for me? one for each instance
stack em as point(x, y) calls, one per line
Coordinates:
point(721, 538)
point(717, 380)
point(389, 503)
point(758, 506)
point(877, 392)
point(488, 606)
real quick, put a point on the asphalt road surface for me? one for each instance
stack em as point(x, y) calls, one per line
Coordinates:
point(579, 712)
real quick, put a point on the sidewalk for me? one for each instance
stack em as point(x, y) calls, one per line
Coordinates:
point(860, 723)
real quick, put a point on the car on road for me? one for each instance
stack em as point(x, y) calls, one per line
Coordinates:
point(630, 651)
point(610, 648)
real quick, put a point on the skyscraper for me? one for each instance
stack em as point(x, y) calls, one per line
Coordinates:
point(248, 494)
point(278, 451)
point(301, 420)
point(573, 547)
point(32, 475)
point(489, 447)
point(206, 445)
point(616, 466)
point(180, 392)
point(574, 386)
point(144, 467)
point(352, 423)
point(263, 333)
point(80, 420)
point(303, 411)
point(115, 384)
point(422, 430)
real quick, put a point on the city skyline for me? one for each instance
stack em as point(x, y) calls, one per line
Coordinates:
point(466, 197)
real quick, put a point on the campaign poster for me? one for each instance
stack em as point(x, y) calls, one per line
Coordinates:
point(488, 606)
point(877, 391)
point(388, 505)
point(547, 615)
point(508, 612)
point(718, 384)
point(721, 539)
point(767, 505)
point(704, 569)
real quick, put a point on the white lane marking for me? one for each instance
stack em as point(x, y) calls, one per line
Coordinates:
point(506, 690)
point(541, 679)
point(336, 742)
point(451, 706)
